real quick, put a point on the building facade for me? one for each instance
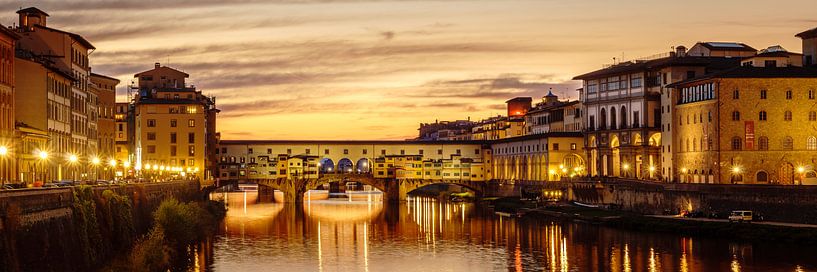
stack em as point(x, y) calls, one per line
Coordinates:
point(548, 156)
point(104, 88)
point(7, 92)
point(748, 125)
point(171, 124)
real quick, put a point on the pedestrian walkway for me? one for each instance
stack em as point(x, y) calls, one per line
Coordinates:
point(770, 223)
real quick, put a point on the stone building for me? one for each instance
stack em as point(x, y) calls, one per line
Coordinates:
point(172, 124)
point(539, 157)
point(626, 108)
point(7, 93)
point(104, 88)
point(747, 125)
point(553, 115)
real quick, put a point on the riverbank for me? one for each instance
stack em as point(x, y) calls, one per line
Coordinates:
point(766, 231)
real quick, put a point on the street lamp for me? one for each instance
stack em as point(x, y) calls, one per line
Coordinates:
point(3, 152)
point(112, 163)
point(72, 160)
point(95, 161)
point(43, 155)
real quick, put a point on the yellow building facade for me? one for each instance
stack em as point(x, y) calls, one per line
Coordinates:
point(748, 125)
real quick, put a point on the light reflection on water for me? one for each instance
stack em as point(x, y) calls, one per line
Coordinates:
point(423, 234)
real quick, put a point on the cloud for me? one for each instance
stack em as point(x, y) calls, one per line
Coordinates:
point(387, 35)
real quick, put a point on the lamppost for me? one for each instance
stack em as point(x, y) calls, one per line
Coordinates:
point(95, 162)
point(3, 152)
point(112, 164)
point(802, 171)
point(43, 155)
point(72, 160)
point(125, 167)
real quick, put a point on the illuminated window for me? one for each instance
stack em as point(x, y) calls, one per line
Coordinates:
point(173, 123)
point(151, 122)
point(191, 150)
point(811, 143)
point(788, 95)
point(191, 123)
point(191, 109)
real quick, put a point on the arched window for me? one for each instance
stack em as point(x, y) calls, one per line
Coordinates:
point(811, 143)
point(736, 143)
point(787, 116)
point(762, 176)
point(623, 117)
point(694, 144)
point(603, 119)
point(735, 116)
point(812, 116)
point(761, 116)
point(763, 143)
point(788, 143)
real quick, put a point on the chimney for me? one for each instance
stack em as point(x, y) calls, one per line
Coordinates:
point(157, 65)
point(32, 16)
point(680, 51)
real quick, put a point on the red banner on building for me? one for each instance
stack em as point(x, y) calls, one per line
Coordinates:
point(749, 128)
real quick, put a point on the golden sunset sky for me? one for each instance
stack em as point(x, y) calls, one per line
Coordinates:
point(369, 69)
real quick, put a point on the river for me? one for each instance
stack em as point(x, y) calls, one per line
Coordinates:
point(423, 234)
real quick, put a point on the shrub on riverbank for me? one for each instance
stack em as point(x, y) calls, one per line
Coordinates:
point(150, 253)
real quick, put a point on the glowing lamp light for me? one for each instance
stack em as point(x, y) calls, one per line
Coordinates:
point(73, 158)
point(43, 155)
point(626, 166)
point(95, 161)
point(162, 168)
point(147, 166)
point(564, 170)
point(552, 172)
point(736, 169)
point(561, 166)
point(196, 169)
point(155, 167)
point(4, 150)
point(126, 164)
point(652, 168)
point(112, 163)
point(684, 170)
point(801, 169)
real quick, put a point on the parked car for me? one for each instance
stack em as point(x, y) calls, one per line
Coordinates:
point(7, 187)
point(740, 216)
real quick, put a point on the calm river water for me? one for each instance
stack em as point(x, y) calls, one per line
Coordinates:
point(426, 235)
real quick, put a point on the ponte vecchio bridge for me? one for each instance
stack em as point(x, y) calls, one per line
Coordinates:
point(397, 167)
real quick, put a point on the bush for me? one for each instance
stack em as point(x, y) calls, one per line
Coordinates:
point(187, 223)
point(151, 253)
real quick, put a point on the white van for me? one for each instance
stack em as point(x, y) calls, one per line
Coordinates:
point(740, 216)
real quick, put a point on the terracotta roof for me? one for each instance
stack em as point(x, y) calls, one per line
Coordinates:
point(755, 72)
point(715, 63)
point(811, 33)
point(104, 76)
point(77, 37)
point(163, 67)
point(32, 10)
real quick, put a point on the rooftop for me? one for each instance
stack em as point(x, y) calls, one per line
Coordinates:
point(716, 63)
point(755, 72)
point(732, 46)
point(811, 33)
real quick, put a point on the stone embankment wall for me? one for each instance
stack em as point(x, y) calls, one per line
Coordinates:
point(775, 202)
point(51, 229)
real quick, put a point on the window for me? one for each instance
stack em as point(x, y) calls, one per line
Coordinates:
point(191, 138)
point(191, 123)
point(735, 116)
point(382, 152)
point(690, 74)
point(151, 122)
point(421, 152)
point(811, 94)
point(787, 116)
point(709, 116)
point(326, 151)
point(402, 152)
point(346, 151)
point(151, 136)
point(770, 63)
point(459, 152)
point(151, 149)
point(788, 95)
point(173, 123)
point(812, 116)
point(191, 150)
point(269, 151)
point(788, 143)
point(736, 143)
point(736, 94)
point(439, 151)
point(811, 143)
point(763, 143)
point(761, 116)
point(573, 146)
point(762, 94)
point(289, 151)
point(365, 151)
point(308, 151)
point(762, 176)
point(555, 146)
point(172, 150)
